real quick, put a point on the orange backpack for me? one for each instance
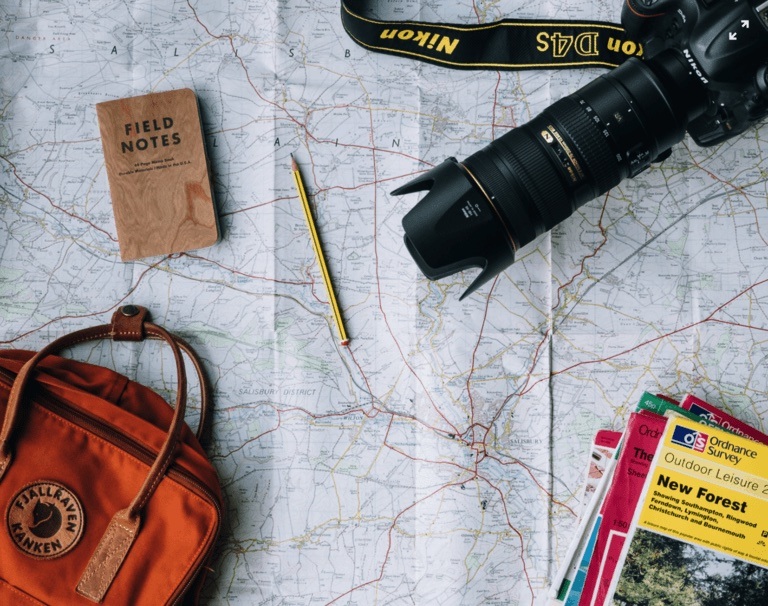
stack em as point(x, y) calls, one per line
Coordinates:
point(106, 493)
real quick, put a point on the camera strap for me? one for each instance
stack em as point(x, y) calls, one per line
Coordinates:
point(509, 44)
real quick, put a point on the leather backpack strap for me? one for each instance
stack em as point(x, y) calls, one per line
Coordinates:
point(128, 323)
point(205, 386)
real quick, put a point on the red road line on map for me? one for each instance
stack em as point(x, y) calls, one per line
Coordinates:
point(419, 501)
point(89, 315)
point(280, 411)
point(288, 115)
point(237, 272)
point(533, 477)
point(379, 294)
point(316, 191)
point(589, 256)
point(52, 203)
point(369, 414)
point(412, 458)
point(221, 457)
point(474, 353)
point(733, 186)
point(709, 318)
point(422, 460)
point(557, 303)
point(739, 325)
point(389, 539)
point(477, 12)
point(519, 536)
point(365, 377)
point(255, 206)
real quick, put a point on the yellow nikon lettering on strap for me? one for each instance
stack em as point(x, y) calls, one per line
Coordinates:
point(437, 42)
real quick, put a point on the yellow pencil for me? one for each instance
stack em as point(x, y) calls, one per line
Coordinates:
point(319, 251)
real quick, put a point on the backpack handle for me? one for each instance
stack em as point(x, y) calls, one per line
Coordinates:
point(129, 323)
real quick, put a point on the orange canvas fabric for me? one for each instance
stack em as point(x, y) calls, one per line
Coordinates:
point(89, 435)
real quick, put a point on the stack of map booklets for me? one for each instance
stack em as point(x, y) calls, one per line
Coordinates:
point(679, 514)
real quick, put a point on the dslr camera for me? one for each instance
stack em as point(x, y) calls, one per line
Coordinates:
point(704, 71)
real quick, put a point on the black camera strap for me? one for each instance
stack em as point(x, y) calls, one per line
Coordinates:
point(509, 44)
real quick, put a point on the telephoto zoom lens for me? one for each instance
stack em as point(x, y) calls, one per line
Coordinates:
point(479, 212)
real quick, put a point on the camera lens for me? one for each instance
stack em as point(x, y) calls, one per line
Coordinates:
point(479, 212)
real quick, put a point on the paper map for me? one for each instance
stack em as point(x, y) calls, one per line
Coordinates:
point(439, 459)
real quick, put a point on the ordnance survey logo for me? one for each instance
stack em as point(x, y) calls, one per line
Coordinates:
point(690, 438)
point(45, 520)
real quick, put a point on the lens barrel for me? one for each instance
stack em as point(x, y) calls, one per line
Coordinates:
point(535, 176)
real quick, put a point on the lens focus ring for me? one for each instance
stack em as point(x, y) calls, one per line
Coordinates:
point(585, 134)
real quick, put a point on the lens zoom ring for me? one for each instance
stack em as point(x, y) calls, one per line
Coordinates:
point(585, 134)
point(551, 197)
point(538, 176)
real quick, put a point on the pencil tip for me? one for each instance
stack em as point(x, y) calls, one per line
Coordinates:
point(294, 166)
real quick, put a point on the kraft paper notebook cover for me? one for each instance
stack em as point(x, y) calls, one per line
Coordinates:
point(158, 174)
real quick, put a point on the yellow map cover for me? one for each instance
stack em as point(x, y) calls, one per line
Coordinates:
point(705, 508)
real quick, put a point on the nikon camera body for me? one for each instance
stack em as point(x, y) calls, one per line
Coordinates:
point(703, 69)
point(725, 44)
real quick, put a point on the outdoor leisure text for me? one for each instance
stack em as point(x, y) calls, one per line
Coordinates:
point(740, 481)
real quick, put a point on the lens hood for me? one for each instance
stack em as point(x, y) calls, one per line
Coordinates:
point(455, 226)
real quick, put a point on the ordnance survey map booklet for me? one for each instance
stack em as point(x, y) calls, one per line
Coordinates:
point(641, 438)
point(702, 520)
point(598, 545)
